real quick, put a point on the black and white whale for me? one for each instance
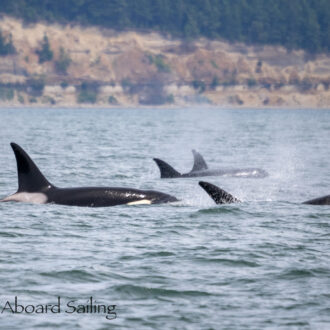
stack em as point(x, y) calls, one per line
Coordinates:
point(222, 197)
point(201, 169)
point(33, 187)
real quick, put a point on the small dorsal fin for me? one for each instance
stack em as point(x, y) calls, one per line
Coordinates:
point(30, 179)
point(199, 162)
point(166, 170)
point(217, 194)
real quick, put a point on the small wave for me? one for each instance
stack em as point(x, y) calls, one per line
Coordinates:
point(317, 215)
point(300, 305)
point(72, 275)
point(145, 292)
point(159, 254)
point(9, 234)
point(229, 262)
point(220, 210)
point(297, 324)
point(299, 273)
point(120, 176)
point(127, 258)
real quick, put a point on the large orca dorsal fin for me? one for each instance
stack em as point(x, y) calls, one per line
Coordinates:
point(166, 170)
point(217, 194)
point(199, 162)
point(30, 179)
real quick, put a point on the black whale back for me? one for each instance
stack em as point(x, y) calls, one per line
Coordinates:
point(30, 179)
point(325, 200)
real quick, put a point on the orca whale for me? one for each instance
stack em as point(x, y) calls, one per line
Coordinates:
point(325, 200)
point(222, 197)
point(33, 187)
point(219, 195)
point(201, 169)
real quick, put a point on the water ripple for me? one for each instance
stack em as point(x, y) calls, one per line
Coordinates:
point(260, 264)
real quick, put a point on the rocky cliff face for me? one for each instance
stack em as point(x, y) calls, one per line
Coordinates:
point(107, 68)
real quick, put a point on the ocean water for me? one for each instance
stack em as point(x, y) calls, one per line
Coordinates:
point(260, 264)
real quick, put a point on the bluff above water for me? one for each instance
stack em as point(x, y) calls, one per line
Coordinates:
point(107, 68)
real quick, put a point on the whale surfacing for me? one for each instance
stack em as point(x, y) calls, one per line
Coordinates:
point(220, 196)
point(200, 169)
point(325, 200)
point(33, 187)
point(217, 194)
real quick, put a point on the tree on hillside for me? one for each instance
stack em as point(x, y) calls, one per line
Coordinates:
point(294, 24)
point(63, 62)
point(6, 47)
point(45, 53)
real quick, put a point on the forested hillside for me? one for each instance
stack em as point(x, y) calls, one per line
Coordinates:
point(294, 24)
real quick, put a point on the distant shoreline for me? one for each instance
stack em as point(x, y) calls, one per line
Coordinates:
point(159, 107)
point(71, 66)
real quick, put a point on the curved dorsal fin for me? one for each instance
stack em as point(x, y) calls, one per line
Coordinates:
point(199, 162)
point(217, 194)
point(30, 179)
point(166, 170)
